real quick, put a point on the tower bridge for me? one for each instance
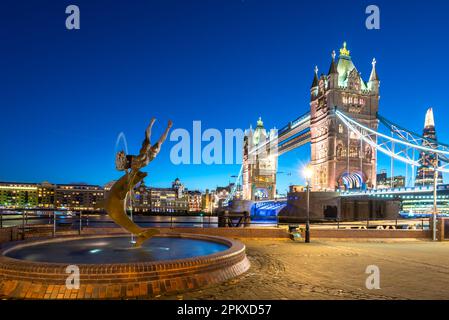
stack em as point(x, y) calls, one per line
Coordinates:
point(346, 133)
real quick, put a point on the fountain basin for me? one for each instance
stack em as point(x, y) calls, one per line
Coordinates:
point(109, 269)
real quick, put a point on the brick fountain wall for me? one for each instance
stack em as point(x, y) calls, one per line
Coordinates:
point(33, 280)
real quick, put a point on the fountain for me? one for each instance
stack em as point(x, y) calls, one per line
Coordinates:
point(112, 267)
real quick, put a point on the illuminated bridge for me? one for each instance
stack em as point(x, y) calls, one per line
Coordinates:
point(346, 135)
point(294, 135)
point(268, 209)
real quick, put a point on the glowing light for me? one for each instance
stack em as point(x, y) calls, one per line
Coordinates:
point(100, 243)
point(94, 250)
point(344, 51)
point(308, 172)
point(19, 188)
point(429, 121)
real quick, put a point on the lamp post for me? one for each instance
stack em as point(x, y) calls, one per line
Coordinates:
point(308, 175)
point(435, 209)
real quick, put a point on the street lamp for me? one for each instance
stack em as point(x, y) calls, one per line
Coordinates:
point(308, 172)
point(435, 208)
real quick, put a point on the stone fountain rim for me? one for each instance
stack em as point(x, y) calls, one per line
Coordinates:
point(235, 248)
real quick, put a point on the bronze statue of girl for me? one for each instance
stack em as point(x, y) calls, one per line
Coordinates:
point(115, 200)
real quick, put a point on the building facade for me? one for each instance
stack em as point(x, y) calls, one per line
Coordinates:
point(385, 182)
point(207, 201)
point(215, 199)
point(78, 197)
point(166, 200)
point(195, 201)
point(89, 197)
point(46, 195)
point(159, 200)
point(18, 195)
point(339, 159)
point(421, 204)
point(178, 187)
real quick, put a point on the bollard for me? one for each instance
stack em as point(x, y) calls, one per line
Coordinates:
point(247, 220)
point(440, 229)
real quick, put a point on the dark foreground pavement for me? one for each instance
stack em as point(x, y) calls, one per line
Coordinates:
point(282, 269)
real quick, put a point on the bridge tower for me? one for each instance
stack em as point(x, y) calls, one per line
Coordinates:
point(259, 163)
point(339, 159)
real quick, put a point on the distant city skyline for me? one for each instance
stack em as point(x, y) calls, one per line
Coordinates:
point(67, 95)
point(82, 183)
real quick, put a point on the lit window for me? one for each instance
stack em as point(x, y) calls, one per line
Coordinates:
point(340, 128)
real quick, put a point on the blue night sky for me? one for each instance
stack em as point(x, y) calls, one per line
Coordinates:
point(66, 95)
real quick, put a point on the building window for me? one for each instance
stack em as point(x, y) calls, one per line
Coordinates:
point(353, 152)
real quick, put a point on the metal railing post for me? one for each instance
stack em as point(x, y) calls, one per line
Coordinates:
point(81, 223)
point(54, 224)
point(1, 218)
point(23, 225)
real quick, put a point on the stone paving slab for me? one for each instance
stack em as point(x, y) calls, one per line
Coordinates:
point(323, 269)
point(283, 269)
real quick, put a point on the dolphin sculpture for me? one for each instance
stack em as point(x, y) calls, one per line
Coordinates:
point(115, 200)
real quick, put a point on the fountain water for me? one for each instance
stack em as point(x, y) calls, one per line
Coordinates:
point(128, 203)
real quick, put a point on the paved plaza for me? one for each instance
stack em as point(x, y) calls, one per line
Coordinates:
point(282, 269)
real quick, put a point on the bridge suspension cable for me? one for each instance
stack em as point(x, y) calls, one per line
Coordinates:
point(291, 136)
point(397, 148)
point(233, 191)
point(408, 135)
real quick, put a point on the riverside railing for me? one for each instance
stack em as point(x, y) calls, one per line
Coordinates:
point(422, 223)
point(32, 220)
point(29, 220)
